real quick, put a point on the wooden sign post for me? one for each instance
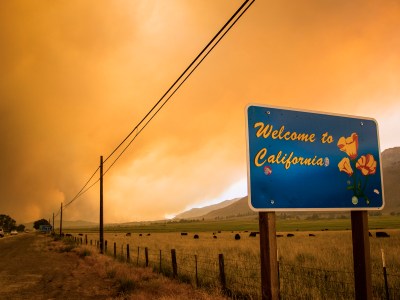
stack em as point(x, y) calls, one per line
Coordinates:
point(361, 255)
point(268, 251)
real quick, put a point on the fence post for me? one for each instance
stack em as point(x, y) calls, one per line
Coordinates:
point(385, 275)
point(105, 246)
point(137, 259)
point(90, 242)
point(128, 258)
point(146, 254)
point(160, 262)
point(197, 277)
point(115, 250)
point(86, 239)
point(222, 277)
point(174, 264)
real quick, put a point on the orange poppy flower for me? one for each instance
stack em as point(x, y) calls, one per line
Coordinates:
point(349, 145)
point(366, 164)
point(344, 166)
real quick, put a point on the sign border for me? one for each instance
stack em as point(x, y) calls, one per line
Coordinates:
point(308, 209)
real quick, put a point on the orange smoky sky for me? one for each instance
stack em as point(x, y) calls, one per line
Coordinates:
point(77, 76)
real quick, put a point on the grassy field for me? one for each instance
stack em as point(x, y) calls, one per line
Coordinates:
point(311, 267)
point(250, 224)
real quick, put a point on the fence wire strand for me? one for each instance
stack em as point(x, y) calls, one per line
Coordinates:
point(243, 278)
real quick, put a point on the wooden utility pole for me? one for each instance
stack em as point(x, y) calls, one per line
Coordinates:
point(268, 251)
point(53, 223)
point(101, 206)
point(361, 255)
point(61, 220)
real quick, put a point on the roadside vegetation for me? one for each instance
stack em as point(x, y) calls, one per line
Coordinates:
point(315, 254)
point(132, 282)
point(315, 264)
point(8, 224)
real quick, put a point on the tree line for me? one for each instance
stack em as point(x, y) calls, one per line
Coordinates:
point(8, 224)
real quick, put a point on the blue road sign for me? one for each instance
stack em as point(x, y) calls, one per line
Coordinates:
point(304, 160)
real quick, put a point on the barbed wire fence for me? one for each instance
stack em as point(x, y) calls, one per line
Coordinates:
point(241, 279)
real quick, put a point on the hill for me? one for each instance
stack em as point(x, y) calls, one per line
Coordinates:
point(200, 212)
point(391, 157)
point(240, 208)
point(391, 176)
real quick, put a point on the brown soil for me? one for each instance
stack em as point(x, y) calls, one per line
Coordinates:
point(31, 270)
point(34, 266)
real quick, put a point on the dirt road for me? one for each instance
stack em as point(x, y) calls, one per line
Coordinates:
point(28, 270)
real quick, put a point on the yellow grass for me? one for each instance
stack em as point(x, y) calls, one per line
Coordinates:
point(310, 267)
point(140, 283)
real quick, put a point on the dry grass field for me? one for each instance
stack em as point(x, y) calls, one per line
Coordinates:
point(319, 266)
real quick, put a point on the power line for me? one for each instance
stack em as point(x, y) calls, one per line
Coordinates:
point(179, 78)
point(229, 24)
point(180, 84)
point(81, 192)
point(58, 212)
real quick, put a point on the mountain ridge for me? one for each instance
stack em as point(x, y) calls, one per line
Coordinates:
point(391, 174)
point(200, 211)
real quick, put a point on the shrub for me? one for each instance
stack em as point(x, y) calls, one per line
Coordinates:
point(67, 245)
point(111, 273)
point(125, 285)
point(303, 257)
point(84, 252)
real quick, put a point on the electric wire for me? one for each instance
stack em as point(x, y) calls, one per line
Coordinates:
point(194, 63)
point(58, 212)
point(179, 78)
point(177, 88)
point(81, 192)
